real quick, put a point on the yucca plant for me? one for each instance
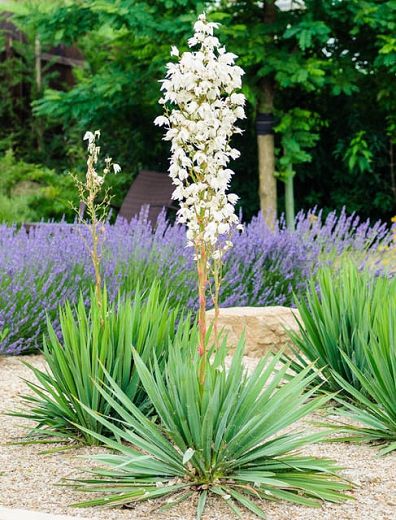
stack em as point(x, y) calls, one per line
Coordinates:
point(225, 437)
point(94, 341)
point(339, 314)
point(374, 406)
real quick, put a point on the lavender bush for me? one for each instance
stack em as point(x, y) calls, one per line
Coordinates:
point(42, 268)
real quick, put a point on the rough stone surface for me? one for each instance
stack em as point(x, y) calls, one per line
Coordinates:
point(265, 327)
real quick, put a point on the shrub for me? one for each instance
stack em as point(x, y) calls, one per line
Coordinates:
point(94, 342)
point(264, 268)
point(341, 313)
point(39, 272)
point(23, 312)
point(31, 192)
point(12, 210)
point(223, 437)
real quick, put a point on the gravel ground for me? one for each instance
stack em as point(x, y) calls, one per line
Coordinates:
point(29, 479)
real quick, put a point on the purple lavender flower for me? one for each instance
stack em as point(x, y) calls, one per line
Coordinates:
point(42, 269)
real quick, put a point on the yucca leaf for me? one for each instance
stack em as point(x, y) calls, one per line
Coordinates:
point(201, 504)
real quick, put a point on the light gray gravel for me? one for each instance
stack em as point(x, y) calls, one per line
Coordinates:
point(30, 480)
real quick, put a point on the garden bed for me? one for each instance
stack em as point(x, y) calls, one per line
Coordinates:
point(30, 480)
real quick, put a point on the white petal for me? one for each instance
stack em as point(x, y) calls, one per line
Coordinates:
point(90, 136)
point(161, 121)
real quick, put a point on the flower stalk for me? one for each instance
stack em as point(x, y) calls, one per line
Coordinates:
point(217, 273)
point(202, 285)
point(89, 192)
point(201, 107)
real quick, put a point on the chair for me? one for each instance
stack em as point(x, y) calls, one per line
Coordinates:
point(153, 189)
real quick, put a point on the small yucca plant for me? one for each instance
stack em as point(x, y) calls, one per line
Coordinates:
point(94, 341)
point(225, 437)
point(374, 406)
point(340, 314)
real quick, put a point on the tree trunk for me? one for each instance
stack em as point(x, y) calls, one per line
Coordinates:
point(38, 81)
point(392, 169)
point(37, 60)
point(289, 202)
point(267, 179)
point(266, 159)
point(265, 140)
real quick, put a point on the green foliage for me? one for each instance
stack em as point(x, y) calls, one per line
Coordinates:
point(222, 438)
point(357, 155)
point(387, 53)
point(341, 313)
point(3, 333)
point(29, 192)
point(374, 406)
point(307, 31)
point(292, 71)
point(13, 211)
point(16, 84)
point(95, 342)
point(297, 130)
point(333, 59)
